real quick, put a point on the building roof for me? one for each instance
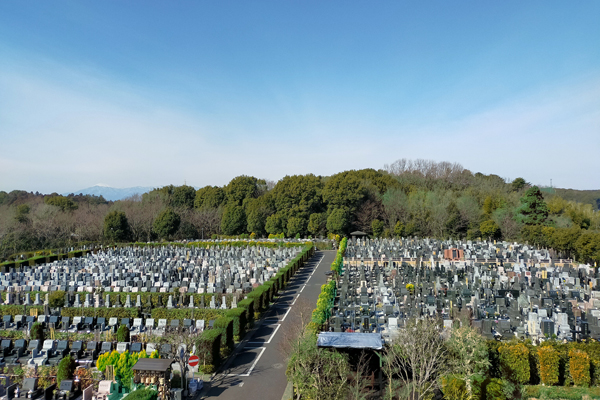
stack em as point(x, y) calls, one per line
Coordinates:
point(358, 233)
point(153, 364)
point(350, 340)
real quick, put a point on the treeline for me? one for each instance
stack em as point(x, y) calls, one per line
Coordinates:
point(407, 198)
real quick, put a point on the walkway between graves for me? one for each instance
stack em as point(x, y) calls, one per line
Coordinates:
point(257, 371)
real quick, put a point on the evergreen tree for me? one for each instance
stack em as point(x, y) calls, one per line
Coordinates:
point(533, 210)
point(166, 223)
point(116, 226)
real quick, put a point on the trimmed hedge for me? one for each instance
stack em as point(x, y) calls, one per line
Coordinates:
point(240, 320)
point(248, 305)
point(183, 313)
point(113, 312)
point(514, 362)
point(208, 347)
point(549, 365)
point(18, 310)
point(579, 367)
point(225, 324)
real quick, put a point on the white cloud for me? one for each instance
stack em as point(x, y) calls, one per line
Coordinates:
point(65, 130)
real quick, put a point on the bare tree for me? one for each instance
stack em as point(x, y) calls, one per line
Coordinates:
point(415, 360)
point(182, 343)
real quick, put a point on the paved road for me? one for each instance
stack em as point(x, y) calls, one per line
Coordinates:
point(258, 370)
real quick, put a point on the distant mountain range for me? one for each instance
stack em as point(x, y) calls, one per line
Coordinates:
point(110, 193)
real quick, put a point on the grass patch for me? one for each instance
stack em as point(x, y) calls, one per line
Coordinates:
point(561, 392)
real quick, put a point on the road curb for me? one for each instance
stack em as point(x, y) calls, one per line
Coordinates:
point(289, 392)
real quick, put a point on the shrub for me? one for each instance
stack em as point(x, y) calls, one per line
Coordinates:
point(579, 367)
point(56, 299)
point(107, 359)
point(123, 334)
point(183, 313)
point(453, 387)
point(37, 332)
point(514, 362)
point(117, 312)
point(66, 369)
point(548, 365)
point(142, 394)
point(495, 389)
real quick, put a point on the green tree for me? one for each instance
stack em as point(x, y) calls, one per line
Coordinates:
point(490, 229)
point(398, 229)
point(116, 226)
point(298, 196)
point(183, 196)
point(274, 224)
point(257, 211)
point(209, 197)
point(22, 213)
point(296, 226)
point(166, 223)
point(62, 202)
point(467, 355)
point(233, 221)
point(37, 332)
point(345, 190)
point(377, 226)
point(123, 334)
point(533, 210)
point(518, 184)
point(56, 299)
point(337, 222)
point(66, 369)
point(240, 188)
point(317, 224)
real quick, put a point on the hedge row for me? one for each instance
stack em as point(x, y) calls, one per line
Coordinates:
point(338, 264)
point(550, 363)
point(234, 322)
point(20, 310)
point(206, 314)
point(100, 312)
point(328, 291)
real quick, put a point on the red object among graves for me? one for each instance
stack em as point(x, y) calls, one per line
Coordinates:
point(454, 254)
point(193, 361)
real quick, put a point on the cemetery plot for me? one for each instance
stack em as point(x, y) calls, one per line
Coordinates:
point(135, 271)
point(507, 289)
point(150, 290)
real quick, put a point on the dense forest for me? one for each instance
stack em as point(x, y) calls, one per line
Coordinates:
point(407, 198)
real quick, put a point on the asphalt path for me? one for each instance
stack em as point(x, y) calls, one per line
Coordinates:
point(257, 369)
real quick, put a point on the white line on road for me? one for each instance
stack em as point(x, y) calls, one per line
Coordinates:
point(302, 289)
point(255, 361)
point(288, 311)
point(294, 302)
point(253, 364)
point(270, 338)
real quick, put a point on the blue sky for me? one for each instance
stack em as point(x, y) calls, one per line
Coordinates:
point(156, 93)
